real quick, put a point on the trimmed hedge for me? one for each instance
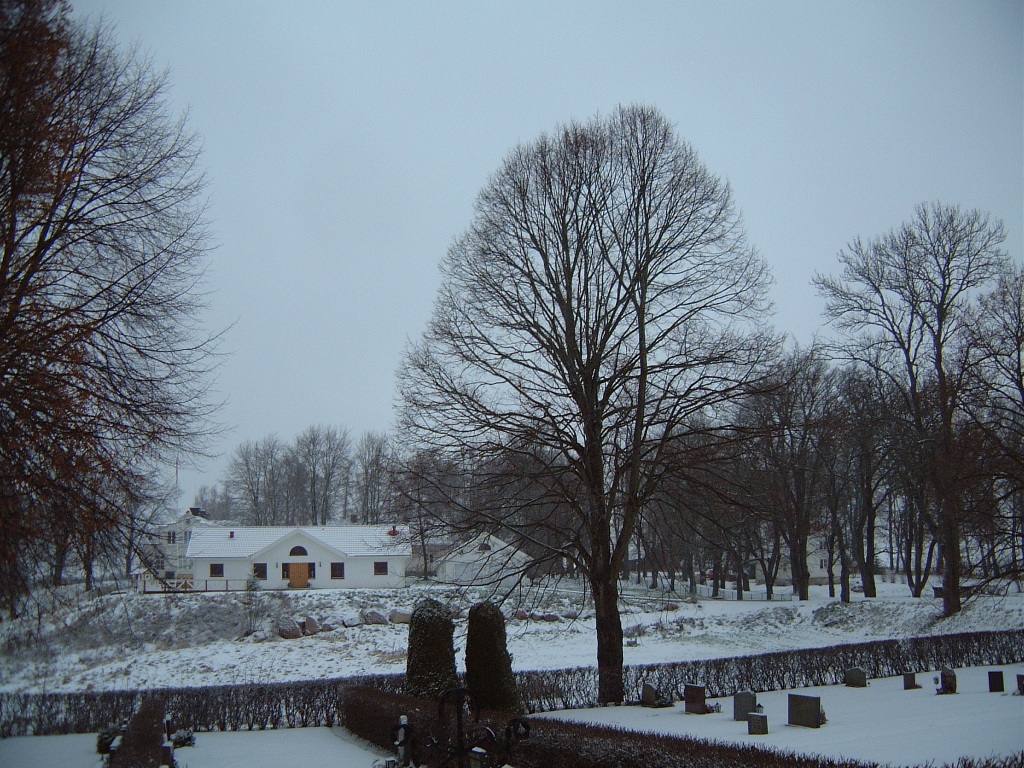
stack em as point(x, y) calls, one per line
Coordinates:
point(319, 702)
point(576, 688)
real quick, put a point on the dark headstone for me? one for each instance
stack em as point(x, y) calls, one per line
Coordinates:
point(695, 701)
point(1020, 685)
point(649, 695)
point(856, 678)
point(757, 724)
point(910, 681)
point(947, 681)
point(805, 710)
point(995, 681)
point(743, 704)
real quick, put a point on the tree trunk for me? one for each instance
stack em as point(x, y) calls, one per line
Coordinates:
point(609, 641)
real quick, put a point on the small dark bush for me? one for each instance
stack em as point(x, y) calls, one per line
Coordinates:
point(488, 664)
point(142, 742)
point(184, 737)
point(430, 669)
point(105, 738)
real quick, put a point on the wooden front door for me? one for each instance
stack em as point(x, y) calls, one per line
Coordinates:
point(298, 575)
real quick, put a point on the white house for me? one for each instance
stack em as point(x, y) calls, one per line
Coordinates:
point(328, 557)
point(483, 560)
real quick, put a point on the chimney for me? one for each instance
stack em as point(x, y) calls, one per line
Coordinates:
point(393, 531)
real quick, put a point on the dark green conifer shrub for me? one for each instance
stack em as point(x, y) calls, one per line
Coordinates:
point(430, 667)
point(488, 664)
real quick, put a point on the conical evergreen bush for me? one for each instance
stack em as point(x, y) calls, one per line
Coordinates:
point(488, 663)
point(430, 665)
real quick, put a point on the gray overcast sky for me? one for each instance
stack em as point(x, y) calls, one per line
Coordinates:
point(345, 143)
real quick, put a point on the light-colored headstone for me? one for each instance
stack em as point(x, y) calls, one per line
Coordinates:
point(743, 703)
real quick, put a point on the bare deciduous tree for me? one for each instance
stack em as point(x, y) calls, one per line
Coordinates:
point(599, 301)
point(103, 366)
point(904, 300)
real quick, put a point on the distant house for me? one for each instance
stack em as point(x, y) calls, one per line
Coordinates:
point(327, 557)
point(162, 559)
point(817, 565)
point(483, 560)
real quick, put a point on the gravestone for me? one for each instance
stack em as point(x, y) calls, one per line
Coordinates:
point(651, 697)
point(910, 681)
point(743, 703)
point(757, 724)
point(805, 710)
point(995, 681)
point(695, 700)
point(1020, 685)
point(947, 682)
point(856, 678)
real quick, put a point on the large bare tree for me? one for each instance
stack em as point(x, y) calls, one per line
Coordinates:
point(599, 302)
point(103, 365)
point(904, 300)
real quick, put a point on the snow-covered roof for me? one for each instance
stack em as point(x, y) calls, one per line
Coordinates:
point(486, 546)
point(350, 540)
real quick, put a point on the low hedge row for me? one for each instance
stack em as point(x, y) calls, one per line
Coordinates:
point(576, 688)
point(319, 702)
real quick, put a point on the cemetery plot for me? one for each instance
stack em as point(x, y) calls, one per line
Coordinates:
point(906, 727)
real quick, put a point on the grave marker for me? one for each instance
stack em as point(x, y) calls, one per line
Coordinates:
point(910, 681)
point(743, 703)
point(757, 724)
point(856, 677)
point(695, 701)
point(947, 682)
point(995, 681)
point(805, 710)
point(1020, 685)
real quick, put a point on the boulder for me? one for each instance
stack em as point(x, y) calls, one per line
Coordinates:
point(550, 617)
point(311, 626)
point(371, 616)
point(350, 619)
point(521, 615)
point(288, 628)
point(571, 615)
point(399, 617)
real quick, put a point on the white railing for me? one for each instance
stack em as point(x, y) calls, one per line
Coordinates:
point(153, 586)
point(705, 590)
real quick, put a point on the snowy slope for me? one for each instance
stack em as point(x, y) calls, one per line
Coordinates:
point(131, 641)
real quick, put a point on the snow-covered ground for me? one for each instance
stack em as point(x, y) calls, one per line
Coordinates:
point(130, 641)
point(880, 723)
point(255, 749)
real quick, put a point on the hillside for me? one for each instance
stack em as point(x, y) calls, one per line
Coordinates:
point(127, 641)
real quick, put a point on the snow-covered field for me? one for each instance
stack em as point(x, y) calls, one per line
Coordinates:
point(130, 641)
point(880, 723)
